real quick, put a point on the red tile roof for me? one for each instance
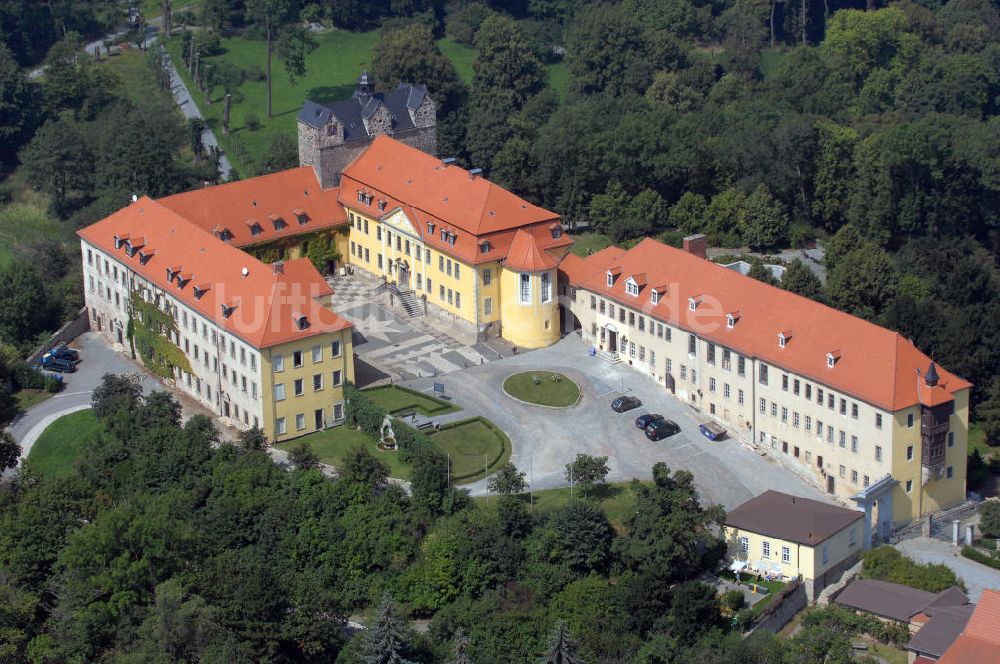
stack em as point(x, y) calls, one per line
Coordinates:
point(872, 363)
point(275, 203)
point(525, 255)
point(980, 641)
point(436, 198)
point(264, 302)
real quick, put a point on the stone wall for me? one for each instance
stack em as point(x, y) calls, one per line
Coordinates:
point(64, 334)
point(833, 575)
point(779, 614)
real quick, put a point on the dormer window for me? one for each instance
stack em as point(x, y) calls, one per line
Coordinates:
point(222, 233)
point(451, 239)
point(655, 296)
point(172, 272)
point(200, 290)
point(381, 205)
point(302, 217)
point(556, 230)
point(301, 321)
point(693, 302)
point(278, 222)
point(228, 309)
point(255, 228)
point(631, 287)
point(831, 358)
point(783, 338)
point(182, 280)
point(444, 235)
point(731, 319)
point(119, 240)
point(361, 196)
point(145, 255)
point(430, 227)
point(131, 246)
point(485, 247)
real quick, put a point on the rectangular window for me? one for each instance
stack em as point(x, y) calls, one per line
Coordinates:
point(440, 263)
point(299, 389)
point(784, 415)
point(297, 358)
point(429, 286)
point(593, 302)
point(909, 486)
point(843, 406)
point(909, 420)
point(525, 290)
point(279, 392)
point(725, 390)
point(458, 300)
point(448, 267)
point(774, 409)
point(450, 296)
point(762, 374)
point(692, 344)
point(809, 423)
point(334, 349)
point(829, 434)
point(280, 426)
point(843, 439)
point(784, 382)
point(546, 284)
point(488, 306)
point(765, 549)
point(830, 399)
point(763, 406)
point(843, 471)
point(711, 351)
point(300, 422)
point(909, 452)
point(744, 544)
point(684, 372)
point(317, 382)
point(809, 391)
point(854, 444)
point(826, 553)
point(949, 472)
point(441, 293)
point(819, 396)
point(338, 412)
point(317, 354)
point(878, 420)
point(795, 387)
point(951, 439)
point(854, 411)
point(795, 420)
point(711, 385)
point(854, 476)
point(338, 378)
point(457, 273)
point(739, 397)
point(852, 536)
point(741, 366)
point(878, 452)
point(487, 276)
point(786, 554)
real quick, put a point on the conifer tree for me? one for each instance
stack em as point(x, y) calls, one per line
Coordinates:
point(562, 648)
point(385, 641)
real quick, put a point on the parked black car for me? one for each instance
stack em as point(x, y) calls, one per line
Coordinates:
point(644, 421)
point(621, 404)
point(59, 365)
point(64, 352)
point(661, 429)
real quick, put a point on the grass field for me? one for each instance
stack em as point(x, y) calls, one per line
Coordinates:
point(393, 399)
point(472, 445)
point(57, 449)
point(333, 444)
point(25, 399)
point(585, 244)
point(331, 72)
point(545, 388)
point(977, 441)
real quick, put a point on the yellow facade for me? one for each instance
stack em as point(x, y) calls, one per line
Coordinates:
point(914, 496)
point(811, 562)
point(529, 308)
point(303, 384)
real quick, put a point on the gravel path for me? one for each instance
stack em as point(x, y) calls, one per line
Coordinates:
point(930, 550)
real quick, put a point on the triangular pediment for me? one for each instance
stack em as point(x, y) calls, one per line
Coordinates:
point(398, 220)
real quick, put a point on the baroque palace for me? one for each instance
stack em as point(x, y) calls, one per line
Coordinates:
point(234, 271)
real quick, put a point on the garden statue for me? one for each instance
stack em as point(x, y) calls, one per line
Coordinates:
point(387, 438)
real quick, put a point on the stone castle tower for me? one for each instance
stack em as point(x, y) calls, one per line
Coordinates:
point(330, 137)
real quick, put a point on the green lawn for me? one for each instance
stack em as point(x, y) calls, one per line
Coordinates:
point(331, 72)
point(977, 441)
point(25, 399)
point(333, 444)
point(545, 388)
point(57, 449)
point(22, 224)
point(395, 399)
point(585, 244)
point(473, 445)
point(616, 500)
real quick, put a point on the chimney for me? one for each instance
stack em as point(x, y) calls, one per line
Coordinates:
point(279, 267)
point(696, 245)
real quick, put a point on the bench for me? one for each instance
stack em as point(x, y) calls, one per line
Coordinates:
point(426, 425)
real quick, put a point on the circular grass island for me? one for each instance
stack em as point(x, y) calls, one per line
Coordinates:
point(542, 388)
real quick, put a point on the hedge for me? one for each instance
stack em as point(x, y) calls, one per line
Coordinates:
point(363, 413)
point(441, 404)
point(848, 622)
point(980, 557)
point(505, 444)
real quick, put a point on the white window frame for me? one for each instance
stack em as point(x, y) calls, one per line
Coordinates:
point(278, 363)
point(765, 549)
point(524, 296)
point(281, 426)
point(786, 555)
point(545, 280)
point(279, 391)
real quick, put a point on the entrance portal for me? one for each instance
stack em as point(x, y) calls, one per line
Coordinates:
point(612, 341)
point(829, 484)
point(318, 415)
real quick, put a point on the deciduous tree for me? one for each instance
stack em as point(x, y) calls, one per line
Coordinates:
point(507, 480)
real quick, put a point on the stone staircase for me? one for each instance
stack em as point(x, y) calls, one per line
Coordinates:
point(610, 358)
point(412, 305)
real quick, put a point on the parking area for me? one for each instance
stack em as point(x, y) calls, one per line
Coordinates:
point(545, 439)
point(96, 359)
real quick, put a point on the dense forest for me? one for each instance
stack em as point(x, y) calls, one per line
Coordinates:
point(167, 545)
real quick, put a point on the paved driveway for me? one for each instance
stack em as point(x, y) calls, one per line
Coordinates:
point(97, 359)
point(544, 439)
point(931, 550)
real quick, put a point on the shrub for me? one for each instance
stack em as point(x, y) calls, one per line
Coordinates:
point(975, 554)
point(743, 619)
point(989, 518)
point(848, 622)
point(733, 600)
point(252, 121)
point(888, 564)
point(52, 384)
point(254, 73)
